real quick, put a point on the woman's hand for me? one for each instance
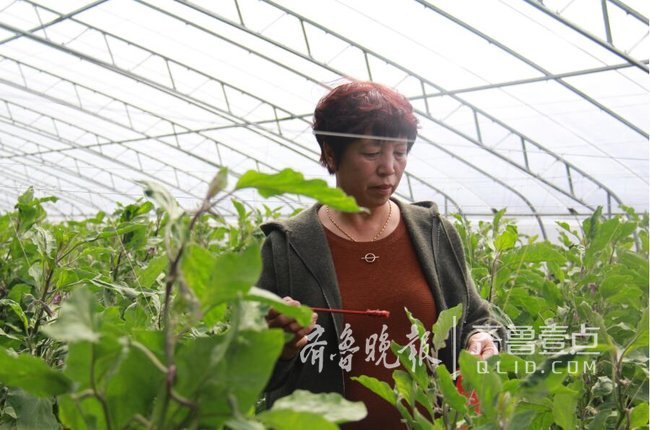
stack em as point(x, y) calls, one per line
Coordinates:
point(277, 320)
point(482, 344)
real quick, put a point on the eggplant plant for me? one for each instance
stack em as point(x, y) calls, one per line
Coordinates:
point(576, 314)
point(149, 318)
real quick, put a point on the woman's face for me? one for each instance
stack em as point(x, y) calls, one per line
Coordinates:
point(370, 170)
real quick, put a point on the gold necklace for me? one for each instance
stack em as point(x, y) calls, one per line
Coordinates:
point(379, 233)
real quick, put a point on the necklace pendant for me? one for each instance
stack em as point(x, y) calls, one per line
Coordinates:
point(370, 257)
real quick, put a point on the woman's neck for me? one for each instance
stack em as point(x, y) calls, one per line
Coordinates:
point(368, 226)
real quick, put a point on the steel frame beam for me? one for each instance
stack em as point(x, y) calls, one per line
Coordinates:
point(172, 91)
point(225, 114)
point(145, 136)
point(156, 85)
point(36, 157)
point(186, 98)
point(627, 9)
point(460, 100)
point(545, 78)
point(27, 181)
point(366, 53)
point(60, 18)
point(611, 48)
point(76, 145)
point(305, 76)
point(325, 66)
point(536, 66)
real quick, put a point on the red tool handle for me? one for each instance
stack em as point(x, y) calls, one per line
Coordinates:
point(370, 312)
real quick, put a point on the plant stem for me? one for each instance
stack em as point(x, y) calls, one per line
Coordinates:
point(116, 266)
point(96, 393)
point(150, 355)
point(493, 275)
point(168, 326)
point(46, 288)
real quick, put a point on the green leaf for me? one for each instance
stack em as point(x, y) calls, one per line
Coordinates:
point(418, 324)
point(15, 307)
point(218, 183)
point(216, 315)
point(9, 336)
point(287, 419)
point(242, 423)
point(30, 210)
point(302, 314)
point(599, 422)
point(603, 236)
point(133, 387)
point(522, 418)
point(292, 182)
point(613, 284)
point(111, 231)
point(32, 375)
point(124, 291)
point(640, 339)
point(639, 415)
point(447, 320)
point(240, 208)
point(449, 391)
point(101, 357)
point(332, 406)
point(216, 280)
point(84, 414)
point(549, 376)
point(211, 370)
point(486, 384)
point(405, 386)
point(43, 239)
point(18, 291)
point(507, 239)
point(163, 197)
point(534, 253)
point(124, 374)
point(147, 276)
point(423, 423)
point(76, 321)
point(32, 413)
point(410, 360)
point(603, 387)
point(632, 296)
point(564, 408)
point(378, 387)
point(137, 315)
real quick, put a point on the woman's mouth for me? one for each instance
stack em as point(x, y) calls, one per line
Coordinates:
point(384, 189)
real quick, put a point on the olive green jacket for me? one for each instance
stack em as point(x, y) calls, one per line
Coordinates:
point(297, 262)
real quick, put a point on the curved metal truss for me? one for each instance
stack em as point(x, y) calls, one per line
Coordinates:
point(175, 118)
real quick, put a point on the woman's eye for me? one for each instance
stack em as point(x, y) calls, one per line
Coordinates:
point(371, 154)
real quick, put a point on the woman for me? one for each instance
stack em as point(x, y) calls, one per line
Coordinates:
point(392, 257)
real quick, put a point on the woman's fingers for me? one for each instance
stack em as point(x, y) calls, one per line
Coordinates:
point(482, 345)
point(276, 319)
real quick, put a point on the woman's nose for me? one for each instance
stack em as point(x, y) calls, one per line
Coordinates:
point(386, 164)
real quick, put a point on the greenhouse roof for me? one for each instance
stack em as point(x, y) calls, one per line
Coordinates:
point(537, 107)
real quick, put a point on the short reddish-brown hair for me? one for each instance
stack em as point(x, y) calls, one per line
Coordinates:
point(361, 108)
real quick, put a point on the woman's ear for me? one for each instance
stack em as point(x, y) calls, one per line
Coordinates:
point(330, 160)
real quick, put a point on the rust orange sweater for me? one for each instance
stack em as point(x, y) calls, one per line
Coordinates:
point(392, 282)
